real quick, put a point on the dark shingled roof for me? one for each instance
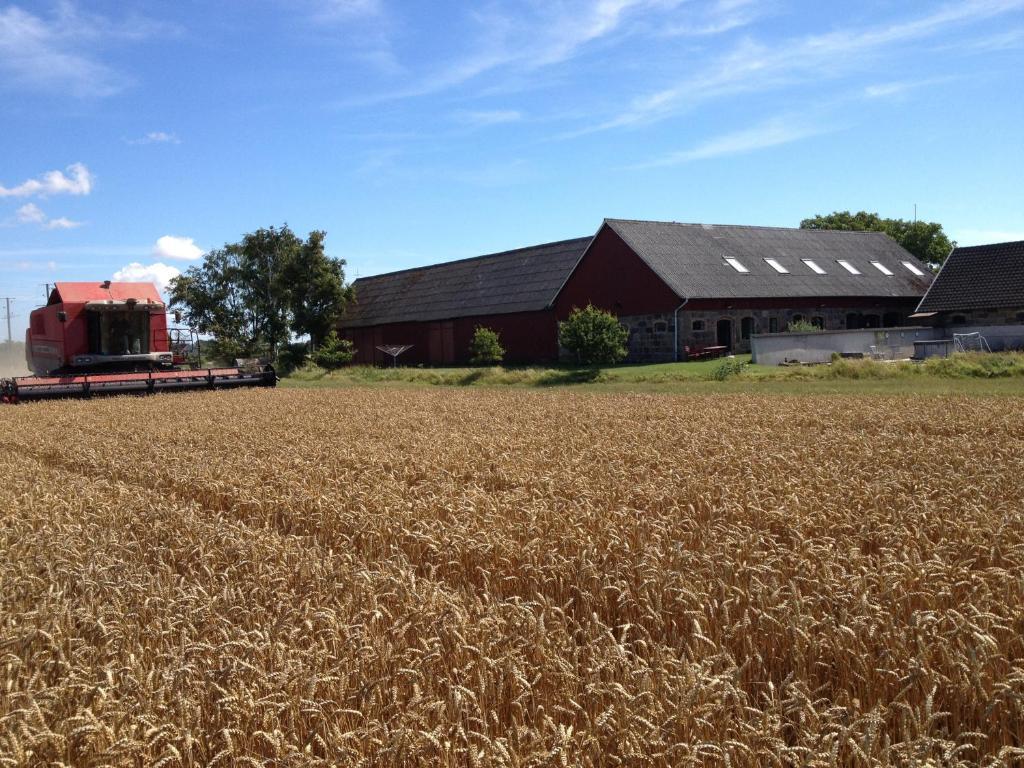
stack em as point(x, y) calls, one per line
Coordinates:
point(978, 277)
point(690, 258)
point(522, 280)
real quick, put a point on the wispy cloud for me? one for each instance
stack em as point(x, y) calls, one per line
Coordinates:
point(62, 222)
point(769, 133)
point(30, 213)
point(344, 10)
point(752, 66)
point(530, 36)
point(77, 181)
point(155, 137)
point(719, 17)
point(483, 118)
point(61, 51)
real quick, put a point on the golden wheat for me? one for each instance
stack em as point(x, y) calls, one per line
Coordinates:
point(380, 577)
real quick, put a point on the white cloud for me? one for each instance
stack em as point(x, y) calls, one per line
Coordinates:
point(156, 137)
point(79, 181)
point(770, 133)
point(171, 247)
point(62, 223)
point(30, 213)
point(158, 273)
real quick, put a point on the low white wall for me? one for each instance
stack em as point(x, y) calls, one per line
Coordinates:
point(999, 337)
point(817, 347)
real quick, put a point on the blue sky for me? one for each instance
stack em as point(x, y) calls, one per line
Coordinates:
point(135, 135)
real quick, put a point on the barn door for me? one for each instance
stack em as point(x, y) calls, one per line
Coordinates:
point(448, 341)
point(725, 333)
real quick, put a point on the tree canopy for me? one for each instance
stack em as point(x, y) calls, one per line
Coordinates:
point(924, 239)
point(253, 294)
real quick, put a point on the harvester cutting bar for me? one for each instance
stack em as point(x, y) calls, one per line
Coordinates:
point(87, 385)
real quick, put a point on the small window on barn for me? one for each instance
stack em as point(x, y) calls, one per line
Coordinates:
point(698, 325)
point(848, 266)
point(1020, 317)
point(814, 266)
point(735, 264)
point(746, 327)
point(881, 268)
point(912, 267)
point(818, 322)
point(777, 267)
point(660, 327)
point(958, 320)
point(773, 325)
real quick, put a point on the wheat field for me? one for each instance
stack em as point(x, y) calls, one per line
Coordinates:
point(384, 577)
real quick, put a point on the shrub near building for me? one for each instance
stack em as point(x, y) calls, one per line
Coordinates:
point(593, 337)
point(485, 348)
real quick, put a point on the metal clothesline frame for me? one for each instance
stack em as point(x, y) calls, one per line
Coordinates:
point(394, 350)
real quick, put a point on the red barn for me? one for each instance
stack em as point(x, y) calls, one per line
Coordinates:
point(436, 309)
point(677, 287)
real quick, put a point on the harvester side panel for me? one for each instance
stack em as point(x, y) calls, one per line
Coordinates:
point(86, 385)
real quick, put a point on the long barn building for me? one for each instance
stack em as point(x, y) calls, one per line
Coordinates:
point(678, 288)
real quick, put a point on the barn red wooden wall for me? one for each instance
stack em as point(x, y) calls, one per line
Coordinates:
point(612, 277)
point(528, 337)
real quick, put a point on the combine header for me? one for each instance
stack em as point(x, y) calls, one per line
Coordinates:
point(112, 338)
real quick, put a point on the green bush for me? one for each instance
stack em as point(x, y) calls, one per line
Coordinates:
point(594, 337)
point(803, 326)
point(485, 348)
point(291, 356)
point(222, 350)
point(728, 368)
point(334, 352)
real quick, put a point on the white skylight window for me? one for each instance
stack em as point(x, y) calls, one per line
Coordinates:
point(777, 267)
point(814, 266)
point(881, 268)
point(848, 266)
point(913, 268)
point(735, 264)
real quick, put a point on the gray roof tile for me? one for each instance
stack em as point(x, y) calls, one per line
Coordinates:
point(522, 280)
point(690, 258)
point(978, 277)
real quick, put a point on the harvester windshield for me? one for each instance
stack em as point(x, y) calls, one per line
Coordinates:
point(118, 333)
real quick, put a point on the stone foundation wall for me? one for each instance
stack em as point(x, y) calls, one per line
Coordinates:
point(651, 336)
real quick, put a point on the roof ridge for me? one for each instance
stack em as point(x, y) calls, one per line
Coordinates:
point(473, 258)
point(744, 226)
point(989, 245)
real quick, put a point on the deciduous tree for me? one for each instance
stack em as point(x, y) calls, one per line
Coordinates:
point(253, 294)
point(924, 239)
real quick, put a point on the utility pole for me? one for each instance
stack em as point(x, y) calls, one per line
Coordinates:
point(8, 299)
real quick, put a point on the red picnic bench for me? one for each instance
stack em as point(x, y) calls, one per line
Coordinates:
point(705, 352)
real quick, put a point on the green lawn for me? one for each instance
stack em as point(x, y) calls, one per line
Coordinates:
point(991, 374)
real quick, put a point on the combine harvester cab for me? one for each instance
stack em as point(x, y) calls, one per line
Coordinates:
point(112, 338)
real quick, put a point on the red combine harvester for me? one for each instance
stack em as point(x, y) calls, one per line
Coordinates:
point(112, 338)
